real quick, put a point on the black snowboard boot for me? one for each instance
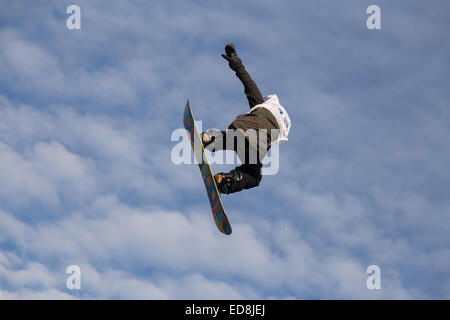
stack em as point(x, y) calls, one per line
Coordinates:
point(225, 181)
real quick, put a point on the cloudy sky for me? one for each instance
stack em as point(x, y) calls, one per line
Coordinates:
point(86, 177)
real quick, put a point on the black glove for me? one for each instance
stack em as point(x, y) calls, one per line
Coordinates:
point(233, 60)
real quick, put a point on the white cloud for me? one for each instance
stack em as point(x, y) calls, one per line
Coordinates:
point(353, 188)
point(27, 294)
point(25, 59)
point(191, 258)
point(19, 181)
point(66, 169)
point(85, 154)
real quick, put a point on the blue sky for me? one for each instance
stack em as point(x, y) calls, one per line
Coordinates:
point(86, 177)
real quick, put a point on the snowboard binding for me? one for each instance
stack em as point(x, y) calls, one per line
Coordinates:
point(207, 139)
point(225, 181)
point(212, 139)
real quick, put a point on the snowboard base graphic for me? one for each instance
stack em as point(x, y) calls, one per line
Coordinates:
point(218, 212)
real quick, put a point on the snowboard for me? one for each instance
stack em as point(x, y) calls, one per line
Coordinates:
point(218, 212)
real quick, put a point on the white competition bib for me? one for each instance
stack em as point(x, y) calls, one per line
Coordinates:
point(272, 104)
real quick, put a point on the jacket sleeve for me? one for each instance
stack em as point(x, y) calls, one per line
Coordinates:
point(251, 90)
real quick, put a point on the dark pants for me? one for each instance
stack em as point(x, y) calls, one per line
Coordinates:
point(251, 171)
point(251, 166)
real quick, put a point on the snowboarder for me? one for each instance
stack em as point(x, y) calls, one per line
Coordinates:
point(251, 134)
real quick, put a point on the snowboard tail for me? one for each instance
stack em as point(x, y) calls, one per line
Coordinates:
point(218, 212)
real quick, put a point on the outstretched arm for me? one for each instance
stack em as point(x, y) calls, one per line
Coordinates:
point(251, 90)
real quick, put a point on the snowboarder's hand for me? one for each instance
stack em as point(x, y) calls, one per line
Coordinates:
point(233, 60)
